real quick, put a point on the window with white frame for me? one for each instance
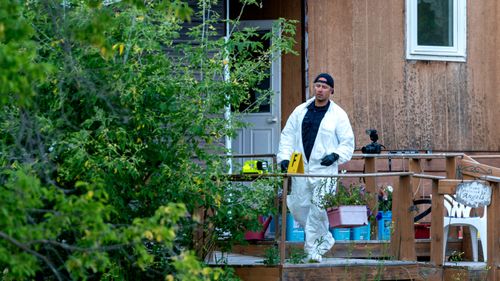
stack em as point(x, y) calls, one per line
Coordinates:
point(436, 30)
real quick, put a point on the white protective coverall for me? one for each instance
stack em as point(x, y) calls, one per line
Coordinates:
point(334, 135)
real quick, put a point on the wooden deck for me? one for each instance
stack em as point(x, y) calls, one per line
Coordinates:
point(252, 268)
point(353, 249)
point(403, 258)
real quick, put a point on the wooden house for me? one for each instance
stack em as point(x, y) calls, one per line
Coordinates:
point(443, 97)
point(424, 73)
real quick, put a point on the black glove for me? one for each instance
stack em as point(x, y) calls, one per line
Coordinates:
point(329, 159)
point(284, 166)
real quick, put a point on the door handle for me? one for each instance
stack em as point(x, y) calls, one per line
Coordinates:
point(272, 120)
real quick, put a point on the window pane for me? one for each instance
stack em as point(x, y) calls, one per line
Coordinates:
point(435, 22)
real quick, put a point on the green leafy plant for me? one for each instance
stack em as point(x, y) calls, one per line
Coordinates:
point(456, 256)
point(241, 208)
point(342, 195)
point(296, 256)
point(385, 198)
point(271, 256)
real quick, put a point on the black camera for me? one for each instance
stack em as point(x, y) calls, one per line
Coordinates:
point(374, 147)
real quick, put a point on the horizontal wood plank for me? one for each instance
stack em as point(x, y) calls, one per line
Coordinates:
point(383, 270)
point(350, 249)
point(475, 169)
point(430, 177)
point(259, 273)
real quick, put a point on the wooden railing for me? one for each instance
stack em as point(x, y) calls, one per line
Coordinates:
point(403, 223)
point(402, 246)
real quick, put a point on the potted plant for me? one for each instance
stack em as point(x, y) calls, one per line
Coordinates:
point(346, 206)
point(384, 214)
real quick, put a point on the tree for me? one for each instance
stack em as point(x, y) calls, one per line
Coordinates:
point(111, 138)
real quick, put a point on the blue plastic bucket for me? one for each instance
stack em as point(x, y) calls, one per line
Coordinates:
point(384, 225)
point(361, 232)
point(341, 233)
point(293, 230)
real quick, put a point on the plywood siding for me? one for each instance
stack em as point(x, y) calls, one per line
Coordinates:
point(330, 45)
point(413, 104)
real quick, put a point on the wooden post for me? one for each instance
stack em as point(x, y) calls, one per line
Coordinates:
point(370, 167)
point(277, 215)
point(403, 236)
point(286, 183)
point(415, 167)
point(494, 233)
point(451, 167)
point(437, 219)
point(451, 173)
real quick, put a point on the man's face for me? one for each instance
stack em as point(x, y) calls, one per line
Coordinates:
point(322, 91)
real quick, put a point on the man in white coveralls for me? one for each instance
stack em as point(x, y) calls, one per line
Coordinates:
point(320, 130)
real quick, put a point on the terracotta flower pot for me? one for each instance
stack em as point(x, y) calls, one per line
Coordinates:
point(347, 216)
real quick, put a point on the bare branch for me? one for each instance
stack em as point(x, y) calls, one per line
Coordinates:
point(76, 248)
point(34, 253)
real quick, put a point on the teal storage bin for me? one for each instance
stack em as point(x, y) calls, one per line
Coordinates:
point(293, 230)
point(341, 233)
point(361, 232)
point(384, 225)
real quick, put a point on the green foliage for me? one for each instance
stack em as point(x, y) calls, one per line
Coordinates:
point(240, 209)
point(456, 256)
point(19, 70)
point(385, 198)
point(296, 256)
point(342, 195)
point(110, 135)
point(272, 256)
point(31, 232)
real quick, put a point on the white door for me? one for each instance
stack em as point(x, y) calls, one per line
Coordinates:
point(262, 134)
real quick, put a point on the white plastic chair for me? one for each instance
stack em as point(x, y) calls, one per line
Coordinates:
point(459, 215)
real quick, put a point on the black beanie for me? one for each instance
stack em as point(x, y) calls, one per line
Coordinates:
point(327, 77)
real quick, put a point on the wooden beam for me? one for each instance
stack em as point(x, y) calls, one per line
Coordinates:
point(403, 236)
point(259, 273)
point(489, 156)
point(458, 273)
point(447, 186)
point(348, 248)
point(379, 270)
point(370, 167)
point(383, 270)
point(429, 177)
point(437, 218)
point(415, 167)
point(450, 186)
point(406, 156)
point(451, 167)
point(250, 177)
point(477, 170)
point(396, 215)
point(494, 232)
point(354, 175)
point(467, 157)
point(451, 173)
point(286, 184)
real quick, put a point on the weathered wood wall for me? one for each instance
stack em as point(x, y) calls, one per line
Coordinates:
point(292, 88)
point(413, 104)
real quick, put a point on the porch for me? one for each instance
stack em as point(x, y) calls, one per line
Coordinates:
point(252, 268)
point(402, 257)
